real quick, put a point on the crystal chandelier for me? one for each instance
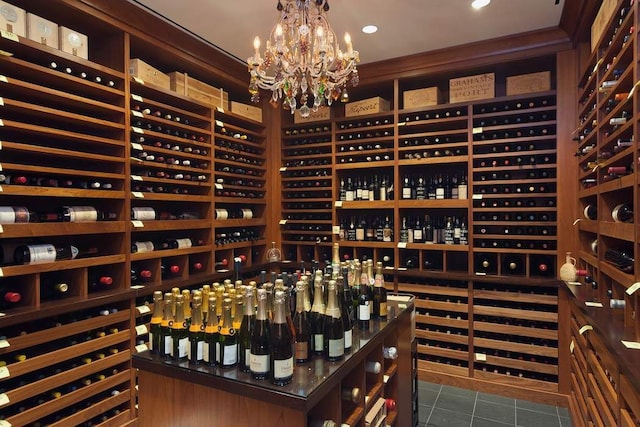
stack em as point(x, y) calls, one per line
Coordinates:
point(302, 64)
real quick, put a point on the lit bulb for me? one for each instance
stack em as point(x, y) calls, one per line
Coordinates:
point(278, 30)
point(347, 38)
point(256, 43)
point(320, 32)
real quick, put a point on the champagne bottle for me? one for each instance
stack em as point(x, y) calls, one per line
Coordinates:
point(156, 322)
point(179, 333)
point(302, 345)
point(281, 352)
point(165, 344)
point(259, 364)
point(333, 331)
point(228, 338)
point(346, 305)
point(195, 348)
point(246, 329)
point(379, 294)
point(364, 311)
point(317, 315)
point(211, 350)
point(84, 214)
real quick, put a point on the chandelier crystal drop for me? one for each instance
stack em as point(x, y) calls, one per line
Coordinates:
point(302, 64)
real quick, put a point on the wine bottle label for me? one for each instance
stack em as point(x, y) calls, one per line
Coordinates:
point(301, 350)
point(82, 213)
point(247, 357)
point(146, 246)
point(406, 192)
point(283, 368)
point(336, 347)
point(364, 313)
point(383, 308)
point(349, 196)
point(439, 193)
point(318, 342)
point(259, 363)
point(143, 214)
point(222, 214)
point(184, 243)
point(462, 192)
point(8, 215)
point(168, 345)
point(230, 356)
point(205, 352)
point(42, 253)
point(151, 341)
point(348, 338)
point(183, 344)
point(359, 233)
point(417, 234)
point(199, 351)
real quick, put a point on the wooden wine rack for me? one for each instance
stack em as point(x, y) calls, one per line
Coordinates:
point(604, 376)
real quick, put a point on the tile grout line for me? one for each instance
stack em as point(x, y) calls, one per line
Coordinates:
point(434, 404)
point(473, 413)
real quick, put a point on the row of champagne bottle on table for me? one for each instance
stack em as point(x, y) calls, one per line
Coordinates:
point(254, 328)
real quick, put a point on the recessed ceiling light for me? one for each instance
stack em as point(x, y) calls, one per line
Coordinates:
point(369, 29)
point(479, 4)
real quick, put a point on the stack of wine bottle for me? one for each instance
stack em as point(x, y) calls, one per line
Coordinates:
point(266, 330)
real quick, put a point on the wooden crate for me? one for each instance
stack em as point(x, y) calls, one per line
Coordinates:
point(42, 30)
point(366, 106)
point(323, 114)
point(470, 88)
point(606, 11)
point(73, 42)
point(186, 85)
point(248, 111)
point(13, 19)
point(425, 97)
point(529, 83)
point(145, 72)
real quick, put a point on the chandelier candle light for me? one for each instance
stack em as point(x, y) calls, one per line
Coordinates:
point(302, 60)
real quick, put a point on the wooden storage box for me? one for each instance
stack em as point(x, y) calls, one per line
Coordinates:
point(13, 19)
point(248, 111)
point(529, 83)
point(470, 88)
point(366, 106)
point(41, 30)
point(323, 114)
point(186, 85)
point(145, 72)
point(74, 42)
point(606, 11)
point(425, 97)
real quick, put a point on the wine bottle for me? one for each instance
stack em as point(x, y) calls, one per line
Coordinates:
point(364, 311)
point(211, 352)
point(379, 294)
point(228, 338)
point(168, 269)
point(350, 394)
point(246, 329)
point(85, 214)
point(17, 215)
point(620, 259)
point(45, 253)
point(390, 352)
point(143, 213)
point(259, 364)
point(195, 347)
point(9, 298)
point(333, 331)
point(281, 352)
point(302, 344)
point(590, 211)
point(346, 310)
point(155, 324)
point(317, 315)
point(139, 276)
point(622, 212)
point(165, 345)
point(373, 367)
point(179, 333)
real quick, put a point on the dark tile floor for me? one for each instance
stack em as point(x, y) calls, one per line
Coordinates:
point(447, 406)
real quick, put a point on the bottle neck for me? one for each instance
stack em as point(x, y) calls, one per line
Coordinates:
point(279, 314)
point(317, 297)
point(262, 305)
point(249, 309)
point(196, 317)
point(300, 294)
point(333, 309)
